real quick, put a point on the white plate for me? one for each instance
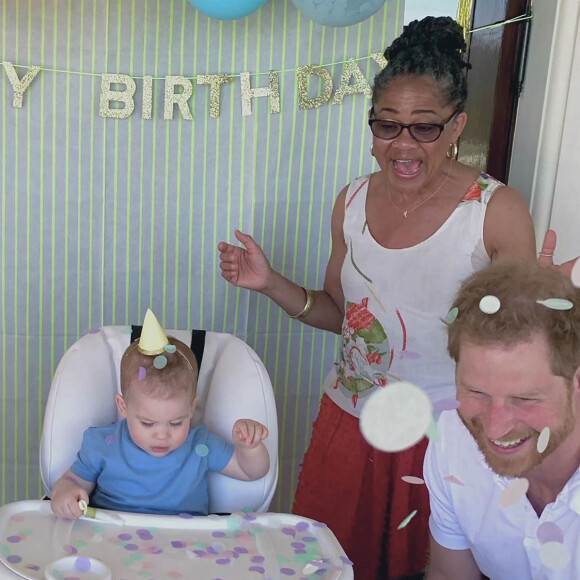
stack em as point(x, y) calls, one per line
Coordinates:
point(81, 567)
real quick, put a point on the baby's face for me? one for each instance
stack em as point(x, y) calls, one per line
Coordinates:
point(158, 426)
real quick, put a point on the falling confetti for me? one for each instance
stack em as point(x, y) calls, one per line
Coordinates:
point(453, 479)
point(514, 491)
point(412, 479)
point(142, 373)
point(451, 315)
point(445, 405)
point(543, 439)
point(160, 362)
point(432, 432)
point(396, 417)
point(406, 521)
point(489, 304)
point(549, 532)
point(310, 568)
point(554, 555)
point(170, 348)
point(557, 303)
point(201, 449)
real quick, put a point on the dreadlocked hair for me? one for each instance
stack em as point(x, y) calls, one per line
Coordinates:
point(431, 47)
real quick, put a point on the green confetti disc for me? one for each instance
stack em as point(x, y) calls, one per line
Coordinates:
point(557, 303)
point(451, 315)
point(160, 362)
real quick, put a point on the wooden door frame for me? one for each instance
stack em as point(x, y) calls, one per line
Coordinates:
point(509, 77)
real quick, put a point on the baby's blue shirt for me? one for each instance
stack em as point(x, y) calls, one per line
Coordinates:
point(129, 479)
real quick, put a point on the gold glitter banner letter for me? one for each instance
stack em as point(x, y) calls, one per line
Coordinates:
point(147, 97)
point(380, 59)
point(126, 96)
point(304, 101)
point(351, 69)
point(272, 92)
point(19, 85)
point(179, 99)
point(215, 82)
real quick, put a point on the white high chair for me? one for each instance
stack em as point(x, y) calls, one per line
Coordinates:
point(233, 383)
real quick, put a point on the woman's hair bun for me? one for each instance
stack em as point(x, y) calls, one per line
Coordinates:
point(441, 35)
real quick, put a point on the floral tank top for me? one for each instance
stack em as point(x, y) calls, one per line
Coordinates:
point(396, 300)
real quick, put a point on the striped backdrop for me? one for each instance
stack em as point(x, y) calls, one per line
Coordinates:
point(101, 218)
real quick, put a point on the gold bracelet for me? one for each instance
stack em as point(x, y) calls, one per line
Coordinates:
point(307, 307)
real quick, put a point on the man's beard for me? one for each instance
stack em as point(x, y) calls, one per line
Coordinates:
point(521, 462)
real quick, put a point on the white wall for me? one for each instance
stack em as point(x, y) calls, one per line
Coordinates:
point(546, 144)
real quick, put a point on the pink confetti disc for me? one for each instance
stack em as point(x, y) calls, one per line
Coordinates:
point(453, 479)
point(413, 479)
point(549, 532)
point(514, 491)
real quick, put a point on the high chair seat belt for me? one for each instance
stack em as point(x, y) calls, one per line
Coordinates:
point(197, 341)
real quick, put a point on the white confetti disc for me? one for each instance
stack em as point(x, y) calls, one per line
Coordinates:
point(514, 491)
point(543, 439)
point(489, 304)
point(554, 555)
point(310, 569)
point(396, 417)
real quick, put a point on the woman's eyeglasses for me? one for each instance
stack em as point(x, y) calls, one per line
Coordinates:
point(423, 132)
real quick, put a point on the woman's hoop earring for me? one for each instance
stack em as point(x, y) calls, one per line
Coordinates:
point(452, 151)
point(371, 150)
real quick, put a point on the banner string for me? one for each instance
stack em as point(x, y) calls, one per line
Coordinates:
point(520, 18)
point(82, 73)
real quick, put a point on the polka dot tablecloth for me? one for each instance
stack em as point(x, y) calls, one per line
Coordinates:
point(143, 547)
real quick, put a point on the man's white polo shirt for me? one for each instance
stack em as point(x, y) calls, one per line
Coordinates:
point(503, 540)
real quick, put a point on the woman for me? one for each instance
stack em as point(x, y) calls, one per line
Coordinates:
point(402, 240)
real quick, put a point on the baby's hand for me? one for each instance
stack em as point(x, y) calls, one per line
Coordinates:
point(65, 505)
point(249, 433)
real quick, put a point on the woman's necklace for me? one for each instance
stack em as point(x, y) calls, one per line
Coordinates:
point(424, 200)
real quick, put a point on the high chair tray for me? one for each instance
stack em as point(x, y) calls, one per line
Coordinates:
point(35, 544)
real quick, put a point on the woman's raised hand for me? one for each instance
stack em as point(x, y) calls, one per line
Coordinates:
point(247, 267)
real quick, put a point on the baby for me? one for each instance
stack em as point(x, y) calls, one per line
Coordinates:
point(153, 461)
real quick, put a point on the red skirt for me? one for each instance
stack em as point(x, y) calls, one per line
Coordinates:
point(358, 492)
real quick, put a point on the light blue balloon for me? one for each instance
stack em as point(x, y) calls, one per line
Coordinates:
point(338, 12)
point(227, 9)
